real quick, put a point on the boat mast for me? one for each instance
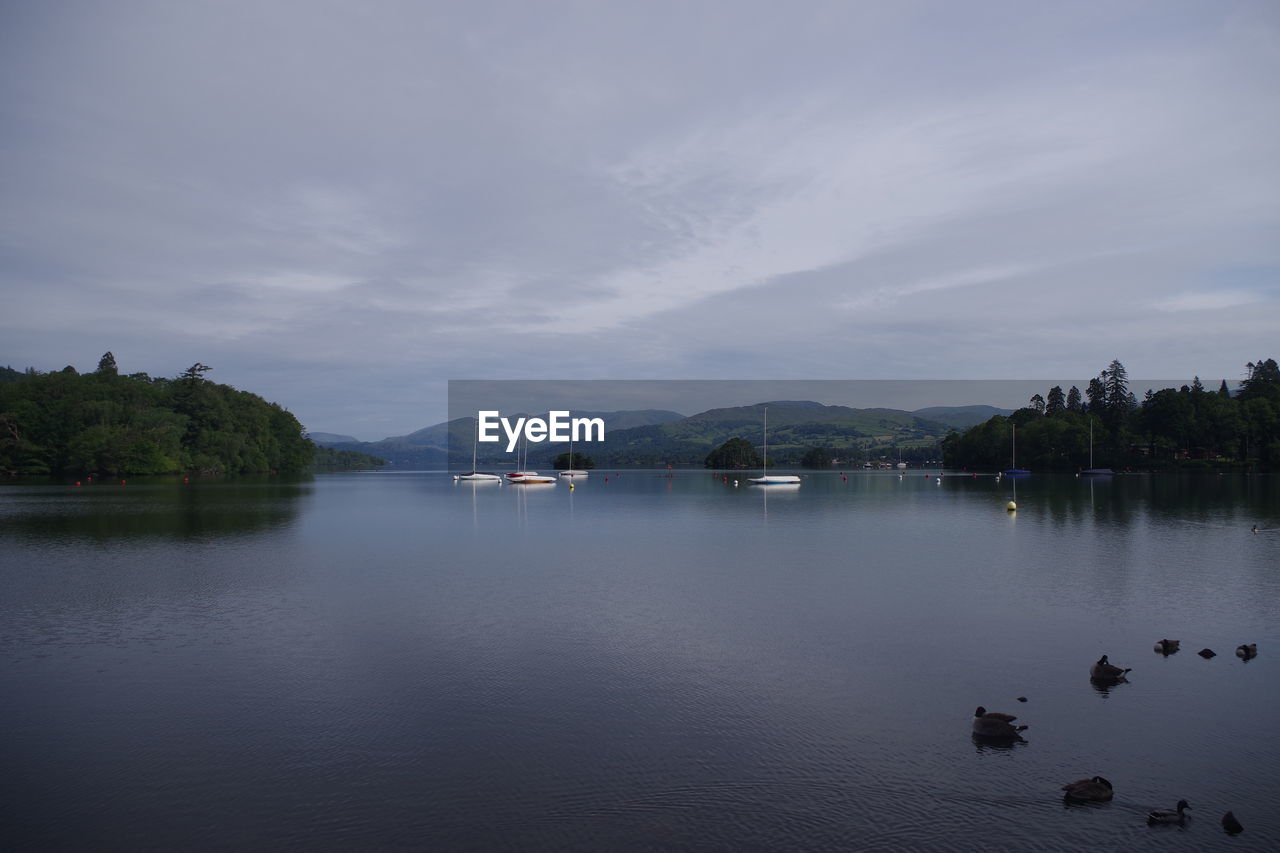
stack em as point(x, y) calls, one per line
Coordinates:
point(766, 441)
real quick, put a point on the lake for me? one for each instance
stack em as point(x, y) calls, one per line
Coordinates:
point(644, 662)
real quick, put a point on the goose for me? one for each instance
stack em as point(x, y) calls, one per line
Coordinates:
point(995, 725)
point(1105, 671)
point(1231, 825)
point(1247, 651)
point(1094, 790)
point(1169, 815)
point(1168, 647)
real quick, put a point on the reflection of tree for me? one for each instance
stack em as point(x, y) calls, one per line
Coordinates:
point(140, 510)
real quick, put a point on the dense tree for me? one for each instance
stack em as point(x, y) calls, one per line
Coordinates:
point(107, 364)
point(1038, 403)
point(332, 459)
point(817, 457)
point(1263, 381)
point(736, 453)
point(1188, 423)
point(575, 460)
point(110, 424)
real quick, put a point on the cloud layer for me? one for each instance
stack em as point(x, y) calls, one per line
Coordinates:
point(343, 205)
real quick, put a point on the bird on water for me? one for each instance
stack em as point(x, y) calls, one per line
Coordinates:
point(1177, 815)
point(1092, 790)
point(1104, 670)
point(993, 724)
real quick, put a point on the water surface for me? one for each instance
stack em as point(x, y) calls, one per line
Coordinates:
point(393, 661)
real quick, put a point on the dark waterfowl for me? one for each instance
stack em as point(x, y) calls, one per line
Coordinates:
point(1168, 647)
point(1177, 816)
point(1207, 653)
point(1093, 790)
point(1231, 825)
point(1105, 671)
point(992, 724)
point(1247, 651)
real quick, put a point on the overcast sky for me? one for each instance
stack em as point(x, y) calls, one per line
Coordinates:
point(342, 205)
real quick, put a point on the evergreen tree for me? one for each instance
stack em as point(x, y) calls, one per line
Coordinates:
point(1057, 401)
point(107, 364)
point(1096, 395)
point(1263, 381)
point(1074, 403)
point(1115, 381)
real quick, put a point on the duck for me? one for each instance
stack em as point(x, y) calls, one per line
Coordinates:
point(993, 724)
point(1231, 825)
point(1169, 815)
point(1168, 647)
point(1247, 651)
point(1093, 790)
point(1103, 670)
point(1207, 653)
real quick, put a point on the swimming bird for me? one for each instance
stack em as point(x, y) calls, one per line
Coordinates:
point(993, 724)
point(1093, 790)
point(1169, 815)
point(1168, 647)
point(1106, 671)
point(1247, 651)
point(1231, 825)
point(1207, 653)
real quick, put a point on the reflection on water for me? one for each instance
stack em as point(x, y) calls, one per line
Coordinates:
point(642, 662)
point(150, 508)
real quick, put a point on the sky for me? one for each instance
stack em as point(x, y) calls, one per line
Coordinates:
point(341, 206)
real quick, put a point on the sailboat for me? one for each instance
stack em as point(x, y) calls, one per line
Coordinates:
point(476, 476)
point(1014, 470)
point(772, 479)
point(1091, 471)
point(572, 472)
point(522, 476)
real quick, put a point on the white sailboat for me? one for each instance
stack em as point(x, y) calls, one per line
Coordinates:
point(476, 476)
point(572, 472)
point(771, 479)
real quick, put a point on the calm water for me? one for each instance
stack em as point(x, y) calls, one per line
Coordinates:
point(394, 661)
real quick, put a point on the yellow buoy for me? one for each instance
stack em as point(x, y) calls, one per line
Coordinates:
point(1012, 506)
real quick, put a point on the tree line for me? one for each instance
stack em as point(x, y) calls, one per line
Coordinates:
point(1185, 426)
point(65, 422)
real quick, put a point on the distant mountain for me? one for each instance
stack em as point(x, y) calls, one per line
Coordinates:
point(324, 439)
point(429, 446)
point(961, 417)
point(794, 427)
point(657, 438)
